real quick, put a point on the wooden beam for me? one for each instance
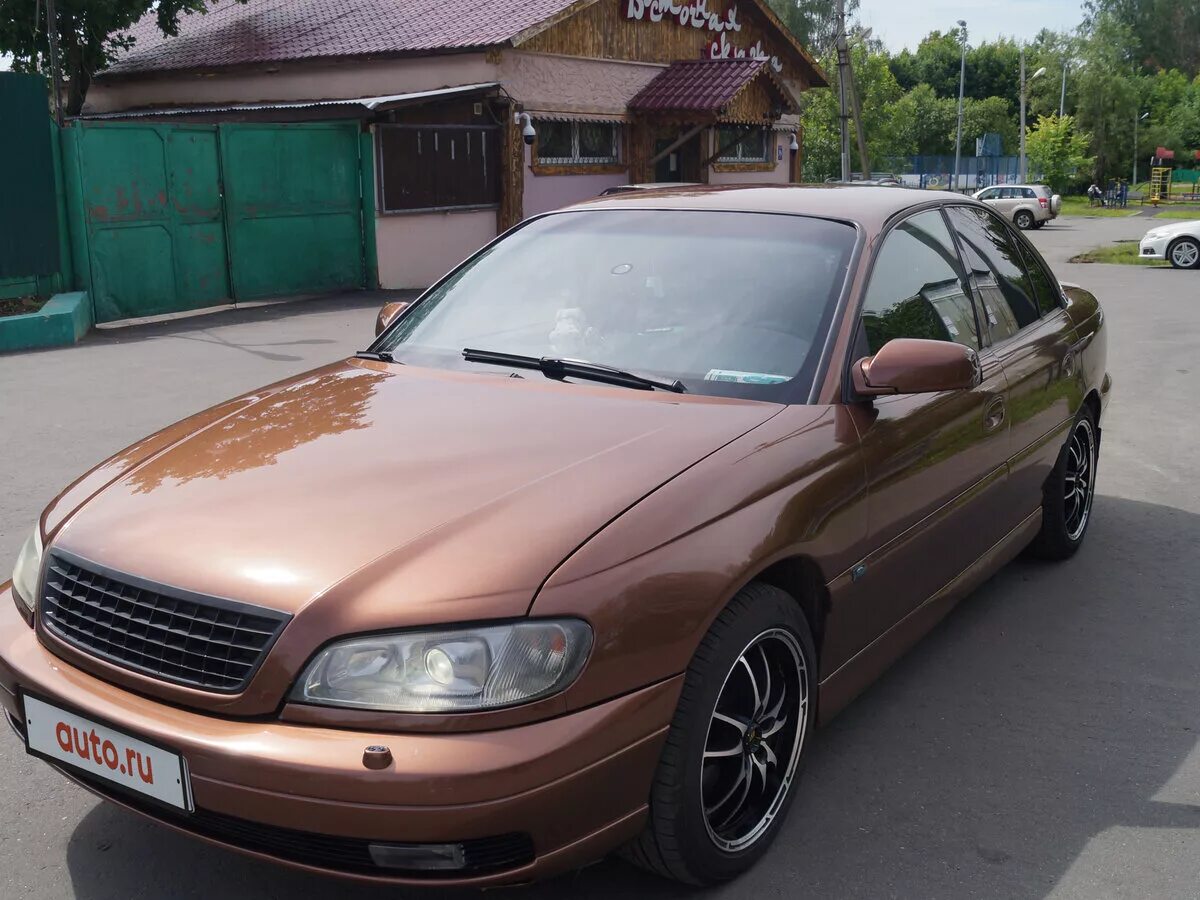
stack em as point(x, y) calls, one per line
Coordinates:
point(671, 148)
point(745, 130)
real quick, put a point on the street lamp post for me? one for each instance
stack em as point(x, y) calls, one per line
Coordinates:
point(962, 77)
point(1042, 71)
point(1136, 120)
point(1062, 98)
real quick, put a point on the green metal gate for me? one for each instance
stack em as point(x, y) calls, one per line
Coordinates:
point(29, 235)
point(151, 202)
point(293, 207)
point(182, 217)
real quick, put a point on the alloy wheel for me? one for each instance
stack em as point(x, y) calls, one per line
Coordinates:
point(1185, 254)
point(754, 740)
point(1079, 484)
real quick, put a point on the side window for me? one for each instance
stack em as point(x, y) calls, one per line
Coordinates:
point(916, 290)
point(1005, 288)
point(990, 194)
point(1008, 194)
point(1045, 288)
point(1028, 194)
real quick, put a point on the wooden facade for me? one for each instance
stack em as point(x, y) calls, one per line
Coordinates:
point(604, 30)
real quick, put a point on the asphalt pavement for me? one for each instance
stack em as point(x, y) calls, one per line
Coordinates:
point(1041, 742)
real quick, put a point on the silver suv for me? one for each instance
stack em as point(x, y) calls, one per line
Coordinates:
point(1028, 205)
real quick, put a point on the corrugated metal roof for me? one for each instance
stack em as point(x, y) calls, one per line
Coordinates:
point(699, 85)
point(258, 31)
point(367, 103)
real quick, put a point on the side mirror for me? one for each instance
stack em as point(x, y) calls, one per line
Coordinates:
point(914, 366)
point(389, 314)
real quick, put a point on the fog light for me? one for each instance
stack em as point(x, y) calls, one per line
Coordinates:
point(420, 857)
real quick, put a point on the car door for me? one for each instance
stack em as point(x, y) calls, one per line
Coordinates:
point(1028, 329)
point(935, 463)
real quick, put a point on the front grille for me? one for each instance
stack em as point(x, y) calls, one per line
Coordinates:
point(185, 638)
point(337, 854)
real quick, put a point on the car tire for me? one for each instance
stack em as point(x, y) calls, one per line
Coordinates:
point(1184, 253)
point(1069, 491)
point(1023, 219)
point(756, 663)
point(1038, 224)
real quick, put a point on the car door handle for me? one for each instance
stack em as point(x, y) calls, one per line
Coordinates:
point(993, 414)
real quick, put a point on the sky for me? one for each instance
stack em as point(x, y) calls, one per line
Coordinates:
point(902, 23)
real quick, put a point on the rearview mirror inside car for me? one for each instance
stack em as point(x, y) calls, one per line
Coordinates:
point(916, 366)
point(389, 314)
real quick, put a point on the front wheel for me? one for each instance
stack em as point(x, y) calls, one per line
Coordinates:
point(729, 766)
point(1023, 219)
point(1185, 253)
point(1069, 491)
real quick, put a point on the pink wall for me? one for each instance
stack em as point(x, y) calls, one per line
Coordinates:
point(546, 192)
point(416, 250)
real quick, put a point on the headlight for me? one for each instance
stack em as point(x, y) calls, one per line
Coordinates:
point(458, 669)
point(1153, 235)
point(27, 569)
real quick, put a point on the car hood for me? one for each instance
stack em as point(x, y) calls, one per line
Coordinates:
point(1189, 227)
point(447, 486)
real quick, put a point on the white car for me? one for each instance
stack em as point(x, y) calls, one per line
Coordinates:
point(1026, 205)
point(1178, 243)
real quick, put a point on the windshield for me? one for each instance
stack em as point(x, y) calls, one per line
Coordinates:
point(730, 304)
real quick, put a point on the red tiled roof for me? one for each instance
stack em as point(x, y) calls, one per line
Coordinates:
point(274, 30)
point(697, 85)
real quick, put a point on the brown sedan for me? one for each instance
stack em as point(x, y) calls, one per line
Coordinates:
point(579, 553)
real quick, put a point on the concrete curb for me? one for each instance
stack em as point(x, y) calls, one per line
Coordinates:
point(62, 321)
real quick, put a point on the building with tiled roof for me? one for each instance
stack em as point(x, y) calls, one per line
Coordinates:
point(613, 91)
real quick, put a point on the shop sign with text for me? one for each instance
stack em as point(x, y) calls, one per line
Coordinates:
point(696, 14)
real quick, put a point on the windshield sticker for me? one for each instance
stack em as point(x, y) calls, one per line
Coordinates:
point(744, 377)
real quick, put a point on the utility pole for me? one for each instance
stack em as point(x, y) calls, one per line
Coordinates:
point(843, 105)
point(55, 79)
point(1042, 71)
point(1062, 98)
point(848, 97)
point(1136, 120)
point(962, 78)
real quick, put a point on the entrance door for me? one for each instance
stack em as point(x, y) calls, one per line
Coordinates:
point(681, 164)
point(294, 207)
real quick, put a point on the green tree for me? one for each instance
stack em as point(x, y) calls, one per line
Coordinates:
point(1165, 34)
point(90, 34)
point(813, 22)
point(1058, 150)
point(1108, 93)
point(879, 97)
point(980, 117)
point(925, 121)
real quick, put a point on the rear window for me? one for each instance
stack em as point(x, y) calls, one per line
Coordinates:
point(731, 304)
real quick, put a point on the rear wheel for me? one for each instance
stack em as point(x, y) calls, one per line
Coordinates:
point(728, 770)
point(1184, 253)
point(1067, 496)
point(1023, 219)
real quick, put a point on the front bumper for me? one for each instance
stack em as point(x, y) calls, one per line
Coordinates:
point(573, 788)
point(1155, 248)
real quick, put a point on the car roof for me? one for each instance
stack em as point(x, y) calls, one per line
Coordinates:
point(867, 205)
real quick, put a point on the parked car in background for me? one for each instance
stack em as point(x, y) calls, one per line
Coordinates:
point(579, 552)
point(1026, 205)
point(1178, 243)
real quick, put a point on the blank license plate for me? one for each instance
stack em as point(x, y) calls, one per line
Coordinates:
point(106, 753)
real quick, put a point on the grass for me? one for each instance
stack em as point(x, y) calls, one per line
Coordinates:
point(1079, 206)
point(1193, 213)
point(1124, 253)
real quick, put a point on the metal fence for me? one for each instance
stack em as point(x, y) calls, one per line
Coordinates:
point(974, 172)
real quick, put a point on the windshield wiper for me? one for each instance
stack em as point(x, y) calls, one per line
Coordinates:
point(574, 368)
point(378, 356)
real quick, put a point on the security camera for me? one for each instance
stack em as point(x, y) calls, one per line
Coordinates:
point(527, 132)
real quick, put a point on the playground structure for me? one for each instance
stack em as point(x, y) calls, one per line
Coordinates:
point(1170, 182)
